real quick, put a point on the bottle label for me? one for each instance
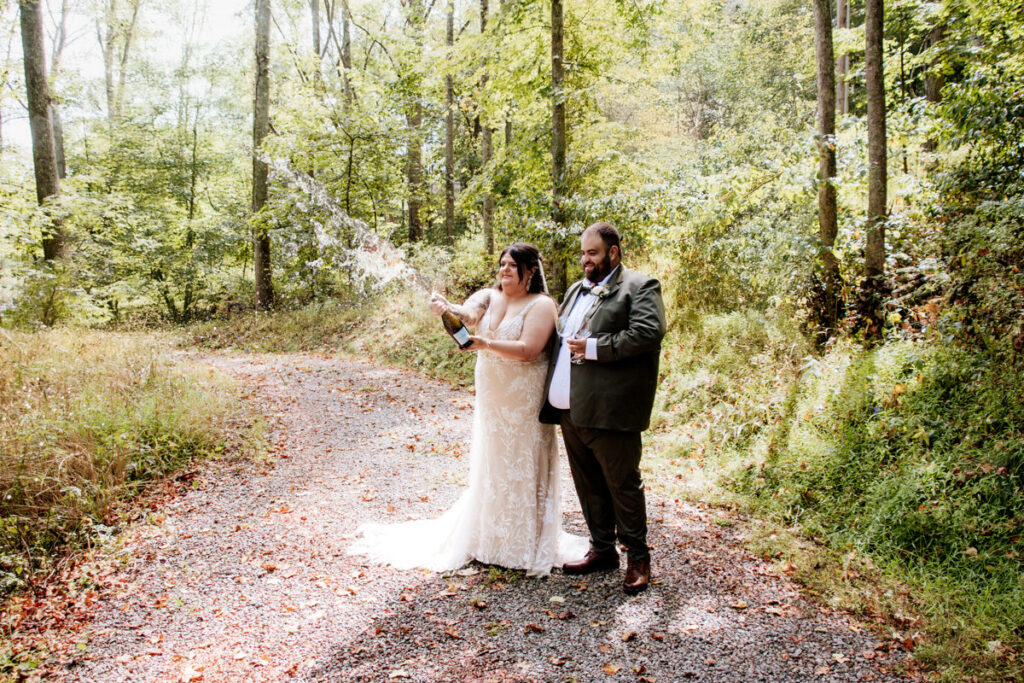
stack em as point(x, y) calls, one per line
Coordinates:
point(462, 336)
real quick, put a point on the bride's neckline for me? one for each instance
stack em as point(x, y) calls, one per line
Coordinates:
point(505, 314)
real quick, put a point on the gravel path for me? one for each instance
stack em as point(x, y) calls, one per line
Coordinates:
point(244, 576)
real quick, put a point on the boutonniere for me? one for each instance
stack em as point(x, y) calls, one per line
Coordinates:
point(600, 291)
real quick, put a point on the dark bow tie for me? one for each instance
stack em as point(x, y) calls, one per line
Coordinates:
point(586, 287)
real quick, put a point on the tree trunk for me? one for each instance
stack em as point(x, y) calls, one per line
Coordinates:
point(414, 120)
point(486, 150)
point(414, 168)
point(827, 222)
point(261, 125)
point(933, 78)
point(59, 43)
point(558, 170)
point(346, 49)
point(449, 130)
point(874, 254)
point(58, 142)
point(314, 16)
point(115, 36)
point(843, 63)
point(44, 158)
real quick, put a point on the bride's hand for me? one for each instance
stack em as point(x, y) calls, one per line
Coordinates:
point(438, 304)
point(478, 344)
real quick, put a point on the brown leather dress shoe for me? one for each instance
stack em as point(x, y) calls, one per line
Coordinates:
point(638, 576)
point(593, 562)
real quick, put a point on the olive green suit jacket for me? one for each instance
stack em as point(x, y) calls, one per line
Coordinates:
point(616, 391)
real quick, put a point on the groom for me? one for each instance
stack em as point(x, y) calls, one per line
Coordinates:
point(605, 401)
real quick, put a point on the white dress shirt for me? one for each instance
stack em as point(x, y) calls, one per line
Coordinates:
point(558, 394)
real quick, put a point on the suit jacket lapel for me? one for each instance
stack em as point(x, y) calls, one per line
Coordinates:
point(570, 298)
point(612, 285)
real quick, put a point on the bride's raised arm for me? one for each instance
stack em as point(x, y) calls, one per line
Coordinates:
point(469, 312)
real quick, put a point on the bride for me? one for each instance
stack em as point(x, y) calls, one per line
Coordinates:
point(510, 514)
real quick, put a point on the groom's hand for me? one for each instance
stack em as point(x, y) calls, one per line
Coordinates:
point(577, 346)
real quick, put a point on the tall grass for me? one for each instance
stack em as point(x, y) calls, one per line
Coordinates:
point(87, 418)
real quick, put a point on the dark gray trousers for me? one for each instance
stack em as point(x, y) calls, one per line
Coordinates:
point(605, 467)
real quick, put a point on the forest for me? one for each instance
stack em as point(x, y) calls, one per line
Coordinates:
point(831, 193)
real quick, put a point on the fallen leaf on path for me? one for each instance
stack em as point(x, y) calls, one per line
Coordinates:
point(660, 637)
point(822, 671)
point(567, 614)
point(189, 674)
point(611, 669)
point(533, 628)
point(628, 636)
point(739, 604)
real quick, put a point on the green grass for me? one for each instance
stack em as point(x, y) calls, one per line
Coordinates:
point(88, 418)
point(890, 480)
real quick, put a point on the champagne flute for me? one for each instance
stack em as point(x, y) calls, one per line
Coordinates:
point(582, 333)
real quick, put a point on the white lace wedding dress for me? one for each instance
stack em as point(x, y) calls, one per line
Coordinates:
point(510, 514)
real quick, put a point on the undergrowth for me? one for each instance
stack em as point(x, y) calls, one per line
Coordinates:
point(897, 471)
point(87, 418)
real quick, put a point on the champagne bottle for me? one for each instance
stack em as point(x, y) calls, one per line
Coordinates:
point(456, 329)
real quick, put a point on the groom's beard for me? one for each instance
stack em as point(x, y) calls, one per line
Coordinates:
point(599, 270)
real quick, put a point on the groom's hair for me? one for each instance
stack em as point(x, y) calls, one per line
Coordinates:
point(608, 234)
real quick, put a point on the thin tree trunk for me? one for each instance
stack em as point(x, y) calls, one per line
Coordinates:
point(827, 222)
point(874, 255)
point(129, 35)
point(314, 16)
point(261, 125)
point(59, 42)
point(486, 150)
point(558, 170)
point(414, 121)
point(843, 63)
point(107, 46)
point(414, 168)
point(449, 130)
point(58, 142)
point(44, 158)
point(346, 50)
point(933, 79)
point(109, 34)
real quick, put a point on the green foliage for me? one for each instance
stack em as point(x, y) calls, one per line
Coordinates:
point(89, 418)
point(911, 455)
point(981, 122)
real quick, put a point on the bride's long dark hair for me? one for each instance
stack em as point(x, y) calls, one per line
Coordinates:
point(526, 257)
